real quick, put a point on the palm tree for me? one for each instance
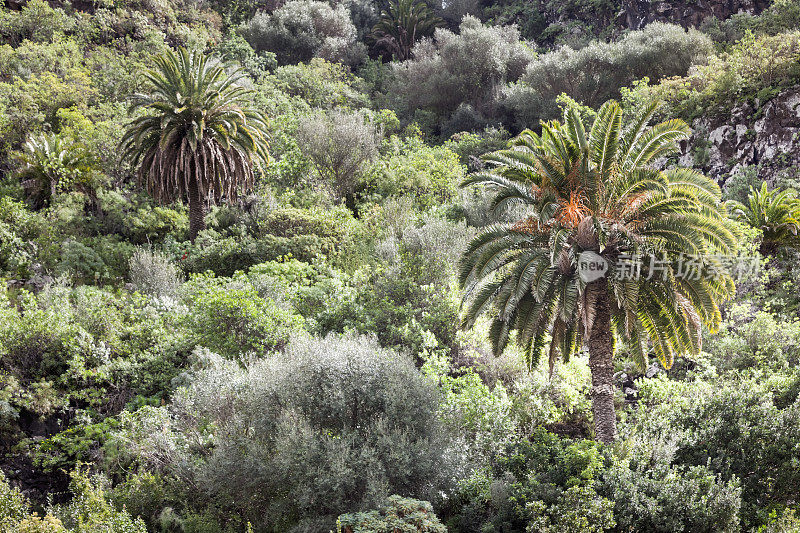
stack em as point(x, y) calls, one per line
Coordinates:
point(597, 196)
point(50, 164)
point(199, 137)
point(402, 25)
point(776, 213)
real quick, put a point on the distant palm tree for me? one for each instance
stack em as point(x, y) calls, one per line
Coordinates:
point(200, 137)
point(776, 213)
point(402, 25)
point(50, 164)
point(597, 195)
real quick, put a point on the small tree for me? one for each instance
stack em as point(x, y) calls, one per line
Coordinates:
point(342, 147)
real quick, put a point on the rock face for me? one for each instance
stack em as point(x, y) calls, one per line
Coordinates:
point(766, 135)
point(637, 13)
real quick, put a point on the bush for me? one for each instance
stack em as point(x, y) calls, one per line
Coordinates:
point(594, 74)
point(342, 147)
point(429, 174)
point(542, 483)
point(755, 67)
point(320, 84)
point(468, 67)
point(755, 340)
point(397, 515)
point(88, 512)
point(304, 234)
point(429, 250)
point(291, 441)
point(230, 317)
point(748, 434)
point(153, 273)
point(302, 29)
point(651, 493)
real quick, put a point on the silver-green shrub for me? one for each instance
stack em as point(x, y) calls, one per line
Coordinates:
point(302, 29)
point(595, 73)
point(153, 273)
point(289, 442)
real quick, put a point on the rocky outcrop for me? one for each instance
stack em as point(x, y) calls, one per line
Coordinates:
point(764, 135)
point(637, 13)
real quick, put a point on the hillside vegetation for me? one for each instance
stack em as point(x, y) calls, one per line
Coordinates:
point(317, 266)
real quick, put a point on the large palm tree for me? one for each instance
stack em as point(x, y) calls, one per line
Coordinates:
point(775, 212)
point(598, 196)
point(199, 137)
point(402, 25)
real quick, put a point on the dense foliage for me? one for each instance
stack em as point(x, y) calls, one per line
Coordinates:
point(230, 294)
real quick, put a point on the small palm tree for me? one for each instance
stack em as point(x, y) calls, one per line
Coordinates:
point(402, 25)
point(776, 213)
point(49, 164)
point(597, 195)
point(199, 137)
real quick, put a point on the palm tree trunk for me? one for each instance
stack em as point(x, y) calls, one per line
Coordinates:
point(601, 364)
point(197, 211)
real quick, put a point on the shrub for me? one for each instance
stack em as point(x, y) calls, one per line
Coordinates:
point(304, 234)
point(429, 174)
point(397, 515)
point(230, 317)
point(651, 493)
point(429, 250)
point(18, 228)
point(594, 74)
point(748, 435)
point(756, 66)
point(302, 29)
point(320, 84)
point(468, 67)
point(152, 273)
point(402, 313)
point(88, 512)
point(342, 147)
point(138, 220)
point(36, 21)
point(543, 483)
point(81, 262)
point(291, 441)
point(755, 340)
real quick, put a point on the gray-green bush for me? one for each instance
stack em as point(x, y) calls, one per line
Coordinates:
point(153, 273)
point(302, 29)
point(451, 69)
point(593, 74)
point(289, 442)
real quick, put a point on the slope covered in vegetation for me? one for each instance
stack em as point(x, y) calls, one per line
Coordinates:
point(313, 266)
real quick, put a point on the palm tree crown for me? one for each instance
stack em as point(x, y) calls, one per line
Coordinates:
point(598, 192)
point(199, 137)
point(50, 164)
point(402, 25)
point(776, 213)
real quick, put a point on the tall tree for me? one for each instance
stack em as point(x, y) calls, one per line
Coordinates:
point(597, 199)
point(199, 137)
